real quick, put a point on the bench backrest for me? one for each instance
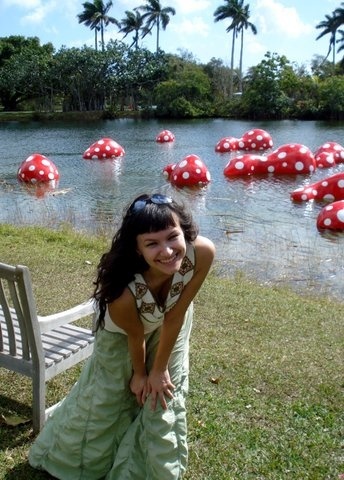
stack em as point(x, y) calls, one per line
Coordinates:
point(20, 338)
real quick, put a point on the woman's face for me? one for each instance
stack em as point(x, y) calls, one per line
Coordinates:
point(163, 250)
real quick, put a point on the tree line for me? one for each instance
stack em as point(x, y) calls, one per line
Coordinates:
point(123, 77)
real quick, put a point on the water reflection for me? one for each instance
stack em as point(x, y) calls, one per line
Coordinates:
point(254, 223)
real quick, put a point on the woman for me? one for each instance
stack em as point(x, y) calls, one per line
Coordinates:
point(125, 418)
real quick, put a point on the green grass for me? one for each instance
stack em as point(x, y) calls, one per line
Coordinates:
point(266, 382)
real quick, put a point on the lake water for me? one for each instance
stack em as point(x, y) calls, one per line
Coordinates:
point(256, 227)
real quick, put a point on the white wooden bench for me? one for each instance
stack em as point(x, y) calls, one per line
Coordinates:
point(39, 347)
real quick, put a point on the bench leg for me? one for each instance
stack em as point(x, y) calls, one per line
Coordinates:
point(38, 401)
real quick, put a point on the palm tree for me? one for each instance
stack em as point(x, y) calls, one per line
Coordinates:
point(330, 26)
point(155, 14)
point(244, 24)
point(133, 22)
point(233, 9)
point(95, 16)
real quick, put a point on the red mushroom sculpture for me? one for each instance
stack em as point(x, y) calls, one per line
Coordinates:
point(248, 164)
point(331, 217)
point(227, 144)
point(288, 159)
point(190, 171)
point(165, 136)
point(104, 148)
point(328, 154)
point(255, 140)
point(37, 169)
point(292, 158)
point(328, 189)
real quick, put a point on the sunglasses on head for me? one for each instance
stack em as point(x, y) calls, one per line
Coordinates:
point(156, 198)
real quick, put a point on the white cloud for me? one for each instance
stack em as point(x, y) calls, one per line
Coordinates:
point(272, 17)
point(38, 14)
point(26, 4)
point(189, 6)
point(194, 26)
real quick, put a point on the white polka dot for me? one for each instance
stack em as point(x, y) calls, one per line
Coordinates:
point(183, 163)
point(241, 144)
point(198, 170)
point(327, 222)
point(51, 176)
point(29, 158)
point(303, 150)
point(32, 168)
point(315, 192)
point(329, 197)
point(304, 197)
point(284, 164)
point(282, 155)
point(299, 166)
point(108, 148)
point(328, 208)
point(41, 172)
point(341, 184)
point(97, 149)
point(340, 215)
point(271, 169)
point(45, 162)
point(253, 145)
point(100, 142)
point(311, 168)
point(226, 145)
point(259, 138)
point(199, 163)
point(239, 165)
point(324, 183)
point(186, 175)
point(208, 176)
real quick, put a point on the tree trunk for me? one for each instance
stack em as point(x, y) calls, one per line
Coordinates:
point(232, 66)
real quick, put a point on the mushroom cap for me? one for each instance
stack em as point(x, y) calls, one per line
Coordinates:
point(326, 149)
point(291, 158)
point(255, 140)
point(36, 169)
point(331, 217)
point(104, 148)
point(165, 136)
point(227, 144)
point(329, 189)
point(190, 171)
point(247, 164)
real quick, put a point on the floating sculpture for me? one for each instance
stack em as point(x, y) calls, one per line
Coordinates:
point(252, 140)
point(255, 140)
point(104, 148)
point(328, 189)
point(287, 159)
point(331, 217)
point(329, 154)
point(37, 169)
point(227, 144)
point(190, 171)
point(165, 136)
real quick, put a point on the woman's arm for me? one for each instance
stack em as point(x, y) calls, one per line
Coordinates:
point(124, 314)
point(159, 381)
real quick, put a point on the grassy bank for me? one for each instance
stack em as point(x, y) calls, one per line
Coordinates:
point(266, 382)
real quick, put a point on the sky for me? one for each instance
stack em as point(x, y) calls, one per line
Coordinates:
point(286, 27)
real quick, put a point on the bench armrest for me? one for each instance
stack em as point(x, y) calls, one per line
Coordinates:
point(49, 322)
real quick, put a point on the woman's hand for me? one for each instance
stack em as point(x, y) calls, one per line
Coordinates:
point(138, 386)
point(159, 385)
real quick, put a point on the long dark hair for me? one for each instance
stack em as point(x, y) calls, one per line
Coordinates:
point(118, 266)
